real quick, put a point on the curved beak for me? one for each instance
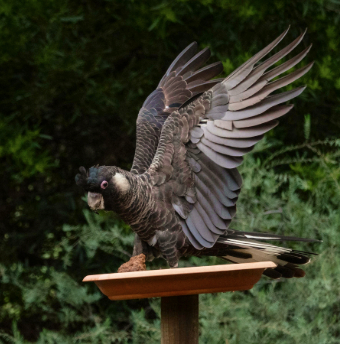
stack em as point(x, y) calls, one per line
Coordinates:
point(95, 200)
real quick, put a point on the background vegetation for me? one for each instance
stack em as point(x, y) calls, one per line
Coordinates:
point(73, 75)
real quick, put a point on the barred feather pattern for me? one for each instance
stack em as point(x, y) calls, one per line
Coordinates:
point(182, 81)
point(202, 144)
point(184, 179)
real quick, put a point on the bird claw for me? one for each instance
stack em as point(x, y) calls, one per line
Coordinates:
point(136, 263)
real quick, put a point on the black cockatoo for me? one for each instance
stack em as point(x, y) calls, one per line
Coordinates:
point(192, 132)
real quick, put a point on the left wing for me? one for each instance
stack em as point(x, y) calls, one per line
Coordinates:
point(202, 144)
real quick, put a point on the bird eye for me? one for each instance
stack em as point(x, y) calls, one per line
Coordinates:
point(104, 184)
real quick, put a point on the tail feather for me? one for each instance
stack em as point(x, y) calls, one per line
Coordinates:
point(242, 248)
point(270, 236)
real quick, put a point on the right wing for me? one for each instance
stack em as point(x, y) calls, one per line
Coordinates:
point(181, 82)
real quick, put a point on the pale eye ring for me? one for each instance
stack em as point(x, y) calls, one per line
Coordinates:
point(104, 184)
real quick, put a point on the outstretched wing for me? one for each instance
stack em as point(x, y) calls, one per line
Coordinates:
point(202, 144)
point(181, 82)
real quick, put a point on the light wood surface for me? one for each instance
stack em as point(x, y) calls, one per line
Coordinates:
point(179, 281)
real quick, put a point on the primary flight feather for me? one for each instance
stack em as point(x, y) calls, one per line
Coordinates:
point(192, 132)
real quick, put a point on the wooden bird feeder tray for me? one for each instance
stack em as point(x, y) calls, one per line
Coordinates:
point(179, 289)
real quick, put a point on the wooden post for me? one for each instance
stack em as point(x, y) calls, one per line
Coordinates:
point(179, 319)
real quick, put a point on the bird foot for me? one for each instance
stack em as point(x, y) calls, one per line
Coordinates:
point(136, 263)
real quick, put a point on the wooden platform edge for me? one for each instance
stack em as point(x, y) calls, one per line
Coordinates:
point(179, 271)
point(179, 281)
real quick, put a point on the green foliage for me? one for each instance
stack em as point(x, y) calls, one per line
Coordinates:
point(73, 76)
point(25, 154)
